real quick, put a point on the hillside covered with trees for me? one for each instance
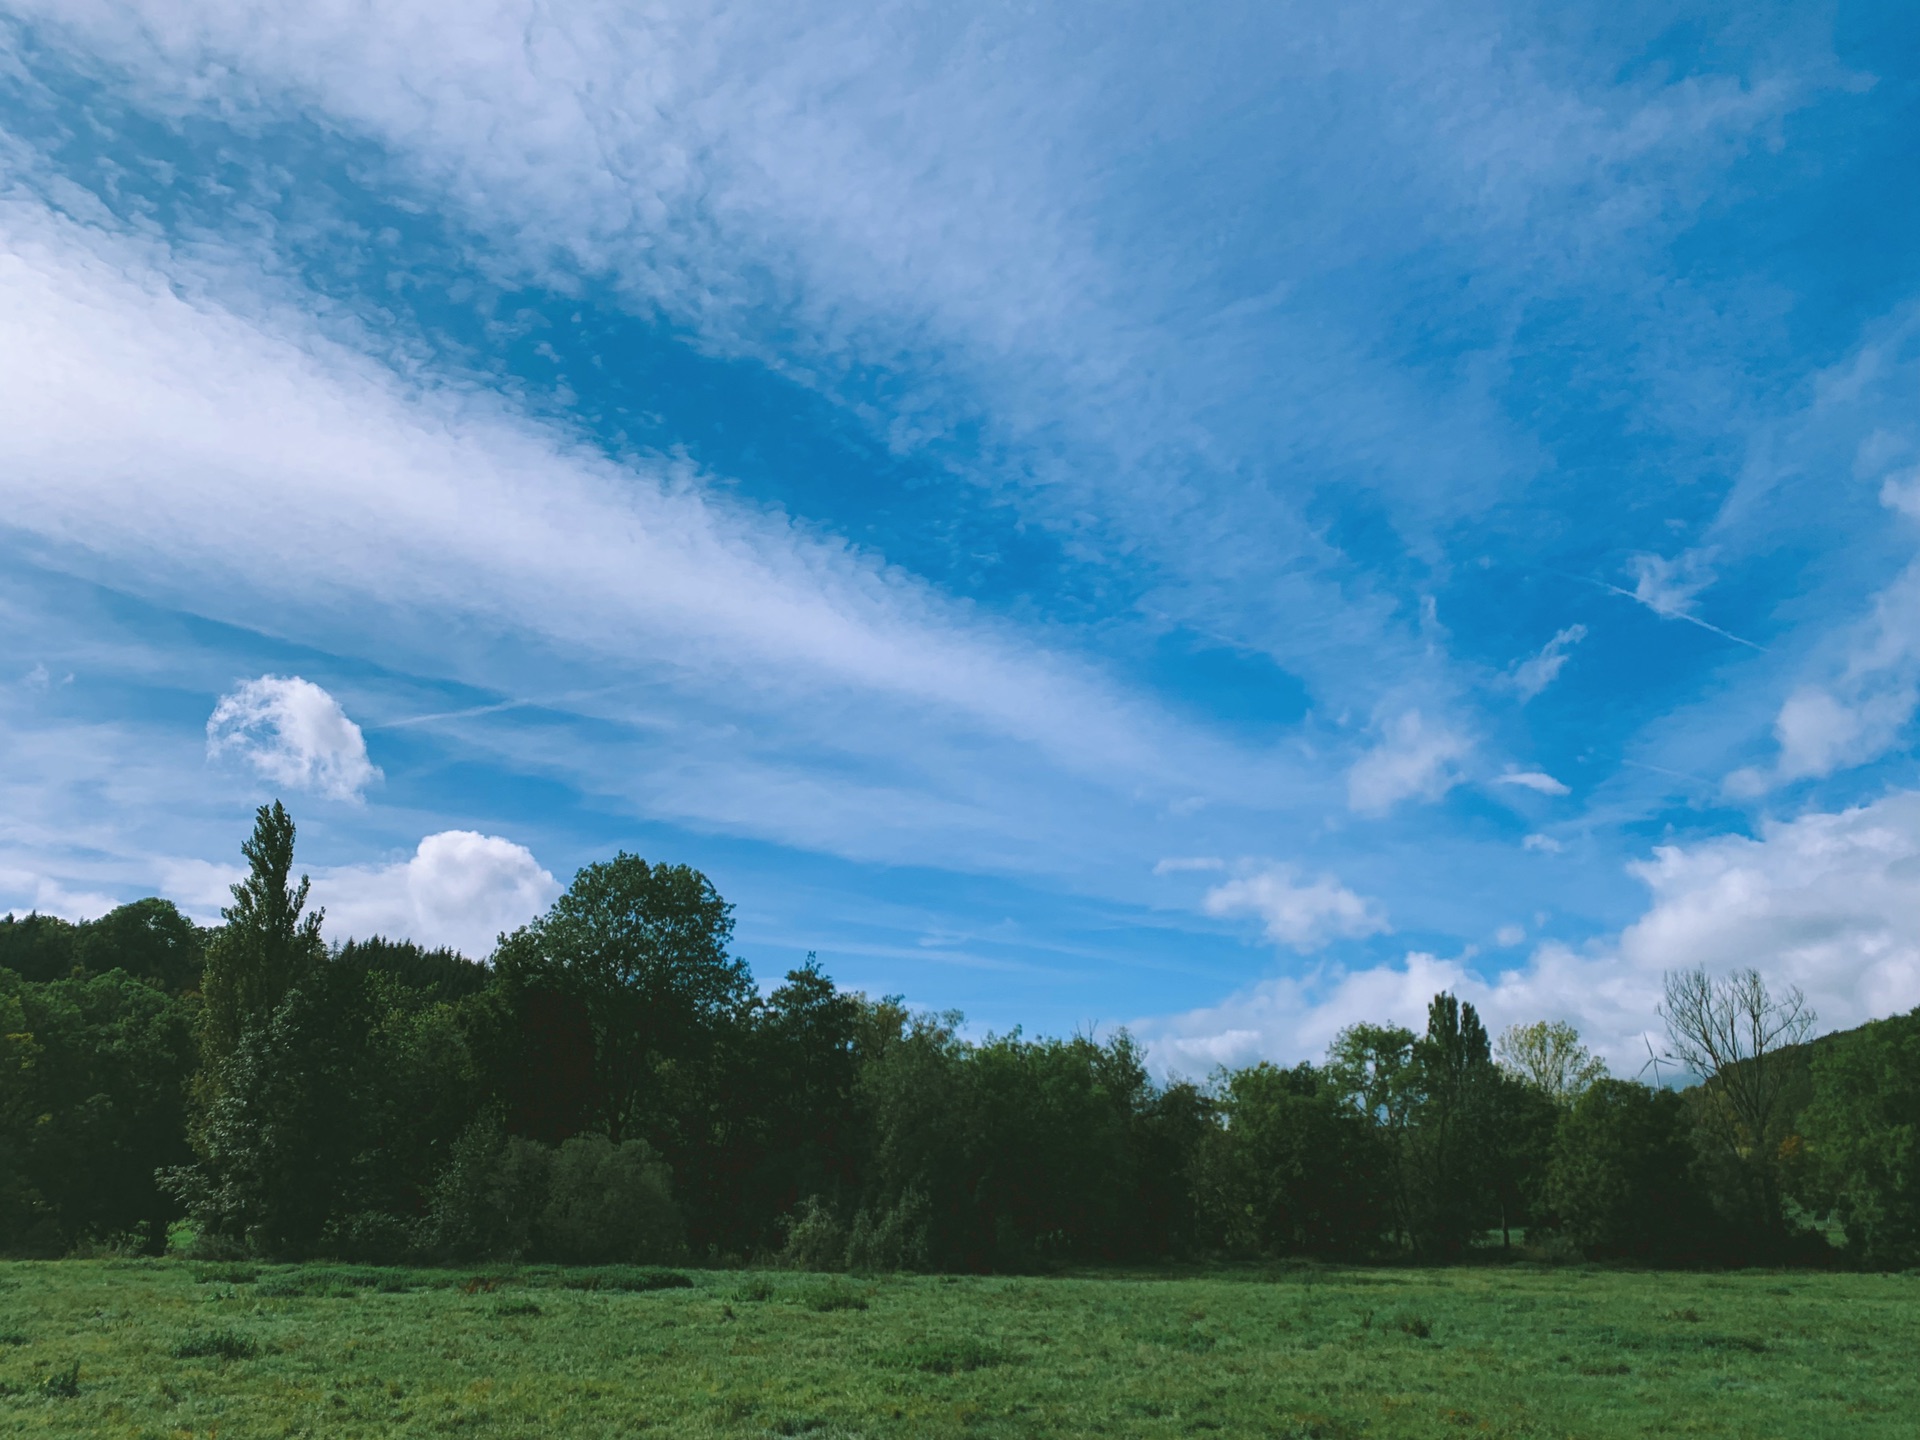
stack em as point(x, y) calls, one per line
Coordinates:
point(611, 1085)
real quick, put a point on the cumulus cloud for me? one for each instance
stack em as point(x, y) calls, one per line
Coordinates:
point(1544, 844)
point(459, 888)
point(1829, 902)
point(293, 733)
point(1305, 915)
point(1535, 674)
point(1413, 759)
point(1507, 936)
point(1533, 780)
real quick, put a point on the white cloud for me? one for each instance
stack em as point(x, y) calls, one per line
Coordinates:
point(294, 734)
point(421, 525)
point(1545, 844)
point(1185, 864)
point(460, 889)
point(1533, 675)
point(201, 888)
point(1861, 709)
point(1828, 902)
point(1304, 915)
point(1507, 936)
point(1412, 759)
point(1669, 587)
point(46, 895)
point(1533, 780)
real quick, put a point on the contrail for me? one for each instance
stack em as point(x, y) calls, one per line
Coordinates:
point(1682, 615)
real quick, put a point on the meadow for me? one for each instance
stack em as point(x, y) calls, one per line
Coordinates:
point(170, 1348)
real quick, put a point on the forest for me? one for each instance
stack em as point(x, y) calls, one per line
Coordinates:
point(611, 1085)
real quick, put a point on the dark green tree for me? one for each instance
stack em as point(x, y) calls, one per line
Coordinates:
point(1454, 1135)
point(149, 939)
point(1296, 1169)
point(1622, 1183)
point(36, 946)
point(644, 949)
point(1862, 1133)
point(93, 1092)
point(266, 945)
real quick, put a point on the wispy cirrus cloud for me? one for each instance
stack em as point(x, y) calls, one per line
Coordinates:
point(1414, 758)
point(1535, 674)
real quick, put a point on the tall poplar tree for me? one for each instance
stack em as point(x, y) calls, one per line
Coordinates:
point(266, 945)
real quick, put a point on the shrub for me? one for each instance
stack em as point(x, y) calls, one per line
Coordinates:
point(608, 1202)
point(816, 1240)
point(488, 1199)
point(895, 1240)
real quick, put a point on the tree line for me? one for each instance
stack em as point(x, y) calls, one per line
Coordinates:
point(613, 1086)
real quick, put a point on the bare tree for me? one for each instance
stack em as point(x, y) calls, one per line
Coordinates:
point(1548, 1055)
point(1730, 1031)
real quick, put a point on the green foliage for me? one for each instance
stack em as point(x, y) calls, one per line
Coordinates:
point(1622, 1178)
point(1295, 1168)
point(586, 1201)
point(149, 939)
point(816, 1240)
point(1547, 1056)
point(1862, 1135)
point(644, 949)
point(266, 946)
point(607, 1202)
point(611, 1087)
point(37, 947)
point(93, 1096)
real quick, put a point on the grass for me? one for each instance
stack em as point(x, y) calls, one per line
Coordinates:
point(151, 1349)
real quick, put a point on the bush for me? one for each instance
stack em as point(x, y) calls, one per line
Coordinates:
point(488, 1199)
point(896, 1240)
point(816, 1240)
point(1622, 1176)
point(587, 1202)
point(608, 1203)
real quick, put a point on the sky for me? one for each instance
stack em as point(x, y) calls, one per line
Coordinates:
point(1222, 520)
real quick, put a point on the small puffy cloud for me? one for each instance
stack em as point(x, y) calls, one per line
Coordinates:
point(460, 889)
point(1536, 673)
point(1533, 780)
point(1829, 902)
point(1305, 915)
point(1507, 936)
point(1187, 864)
point(295, 734)
point(1669, 587)
point(1413, 759)
point(1544, 844)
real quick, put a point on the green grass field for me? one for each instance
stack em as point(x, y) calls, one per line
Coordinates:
point(169, 1348)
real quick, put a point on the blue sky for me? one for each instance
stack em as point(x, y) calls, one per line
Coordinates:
point(1222, 522)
